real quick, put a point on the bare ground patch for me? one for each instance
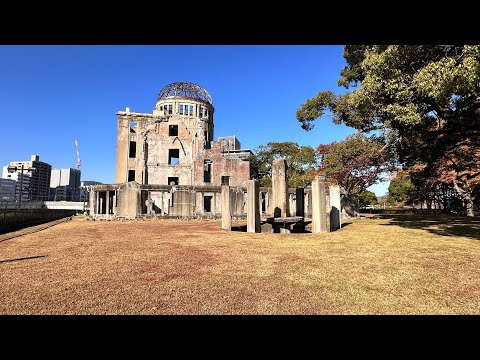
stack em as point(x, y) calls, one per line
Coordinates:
point(195, 267)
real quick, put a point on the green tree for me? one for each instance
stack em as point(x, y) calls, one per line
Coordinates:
point(423, 99)
point(401, 190)
point(367, 198)
point(355, 163)
point(300, 160)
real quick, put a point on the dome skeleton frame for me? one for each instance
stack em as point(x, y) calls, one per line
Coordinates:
point(185, 89)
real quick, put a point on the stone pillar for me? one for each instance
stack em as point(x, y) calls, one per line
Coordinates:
point(291, 205)
point(93, 203)
point(270, 207)
point(280, 189)
point(226, 212)
point(259, 201)
point(253, 210)
point(107, 202)
point(98, 209)
point(123, 141)
point(166, 202)
point(149, 203)
point(101, 206)
point(213, 203)
point(319, 211)
point(335, 208)
point(308, 212)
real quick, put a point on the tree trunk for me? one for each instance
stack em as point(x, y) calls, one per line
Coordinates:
point(466, 196)
point(469, 203)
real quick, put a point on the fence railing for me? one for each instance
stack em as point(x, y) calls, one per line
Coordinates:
point(11, 219)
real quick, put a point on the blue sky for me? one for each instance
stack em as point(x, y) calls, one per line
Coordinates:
point(51, 95)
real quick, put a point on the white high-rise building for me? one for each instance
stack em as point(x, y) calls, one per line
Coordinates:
point(18, 181)
point(65, 184)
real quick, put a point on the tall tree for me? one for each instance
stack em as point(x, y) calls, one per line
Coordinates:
point(424, 99)
point(300, 160)
point(401, 189)
point(354, 163)
point(367, 198)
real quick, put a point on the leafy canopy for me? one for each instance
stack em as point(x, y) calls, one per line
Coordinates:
point(300, 162)
point(367, 198)
point(354, 163)
point(424, 100)
point(401, 189)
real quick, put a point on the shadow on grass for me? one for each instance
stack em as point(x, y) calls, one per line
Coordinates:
point(24, 258)
point(441, 225)
point(267, 229)
point(242, 228)
point(345, 224)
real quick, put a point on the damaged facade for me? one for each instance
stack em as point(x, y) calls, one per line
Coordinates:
point(168, 164)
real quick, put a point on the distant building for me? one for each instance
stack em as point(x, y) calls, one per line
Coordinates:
point(230, 147)
point(7, 190)
point(85, 188)
point(228, 143)
point(89, 183)
point(174, 145)
point(16, 177)
point(39, 179)
point(169, 161)
point(65, 184)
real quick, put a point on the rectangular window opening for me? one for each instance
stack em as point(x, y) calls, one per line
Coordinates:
point(133, 127)
point(173, 130)
point(133, 149)
point(191, 110)
point(173, 157)
point(207, 171)
point(207, 204)
point(173, 181)
point(111, 195)
point(180, 109)
point(226, 180)
point(131, 175)
point(170, 109)
point(102, 205)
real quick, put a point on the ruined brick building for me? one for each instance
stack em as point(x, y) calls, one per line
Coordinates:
point(168, 162)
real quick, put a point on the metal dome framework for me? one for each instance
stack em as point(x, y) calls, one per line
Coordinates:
point(185, 89)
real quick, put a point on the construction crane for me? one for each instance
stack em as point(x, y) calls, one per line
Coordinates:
point(79, 162)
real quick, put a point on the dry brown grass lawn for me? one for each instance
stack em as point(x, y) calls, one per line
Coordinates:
point(195, 267)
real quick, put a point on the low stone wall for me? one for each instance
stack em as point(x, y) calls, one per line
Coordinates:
point(103, 217)
point(11, 219)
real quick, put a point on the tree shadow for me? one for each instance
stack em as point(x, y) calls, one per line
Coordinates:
point(24, 258)
point(441, 225)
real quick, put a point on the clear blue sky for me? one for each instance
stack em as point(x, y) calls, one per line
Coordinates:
point(51, 95)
